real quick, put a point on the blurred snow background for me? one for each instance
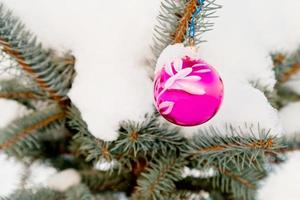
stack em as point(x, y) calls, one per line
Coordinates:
point(111, 43)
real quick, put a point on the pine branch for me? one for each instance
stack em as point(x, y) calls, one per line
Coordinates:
point(281, 96)
point(103, 181)
point(158, 180)
point(18, 95)
point(259, 144)
point(236, 184)
point(80, 192)
point(291, 144)
point(286, 65)
point(241, 184)
point(84, 142)
point(239, 149)
point(173, 22)
point(238, 178)
point(238, 157)
point(190, 185)
point(110, 196)
point(20, 136)
point(40, 194)
point(14, 90)
point(136, 140)
point(146, 139)
point(295, 68)
point(54, 75)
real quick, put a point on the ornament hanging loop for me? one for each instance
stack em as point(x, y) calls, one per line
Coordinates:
point(192, 24)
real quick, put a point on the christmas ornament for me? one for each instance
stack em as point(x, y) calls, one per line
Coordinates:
point(187, 90)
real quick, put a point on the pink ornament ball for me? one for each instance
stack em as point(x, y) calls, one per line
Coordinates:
point(188, 91)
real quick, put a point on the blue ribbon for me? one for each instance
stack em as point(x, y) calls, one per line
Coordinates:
point(191, 33)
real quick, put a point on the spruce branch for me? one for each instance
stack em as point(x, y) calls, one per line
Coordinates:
point(239, 149)
point(53, 74)
point(76, 192)
point(21, 134)
point(109, 196)
point(291, 144)
point(230, 183)
point(147, 138)
point(40, 194)
point(136, 140)
point(241, 184)
point(158, 180)
point(238, 178)
point(194, 184)
point(295, 68)
point(18, 95)
point(80, 192)
point(238, 158)
point(286, 67)
point(14, 90)
point(173, 22)
point(103, 181)
point(84, 143)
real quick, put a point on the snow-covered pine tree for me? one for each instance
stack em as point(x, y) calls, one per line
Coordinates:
point(149, 160)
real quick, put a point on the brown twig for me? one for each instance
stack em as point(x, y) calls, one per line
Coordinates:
point(24, 133)
point(7, 48)
point(289, 149)
point(278, 59)
point(184, 22)
point(292, 71)
point(162, 173)
point(262, 144)
point(15, 95)
point(237, 178)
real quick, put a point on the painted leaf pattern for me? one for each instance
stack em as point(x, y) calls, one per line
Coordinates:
point(180, 80)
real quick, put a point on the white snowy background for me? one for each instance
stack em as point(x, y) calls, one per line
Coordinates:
point(111, 40)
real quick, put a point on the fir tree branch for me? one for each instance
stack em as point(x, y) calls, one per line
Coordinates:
point(259, 144)
point(190, 185)
point(241, 184)
point(230, 183)
point(158, 180)
point(84, 142)
point(13, 89)
point(147, 137)
point(40, 194)
point(52, 74)
point(101, 181)
point(286, 65)
point(80, 192)
point(136, 140)
point(237, 178)
point(173, 21)
point(20, 135)
point(18, 95)
point(291, 144)
point(25, 132)
point(295, 68)
point(239, 149)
